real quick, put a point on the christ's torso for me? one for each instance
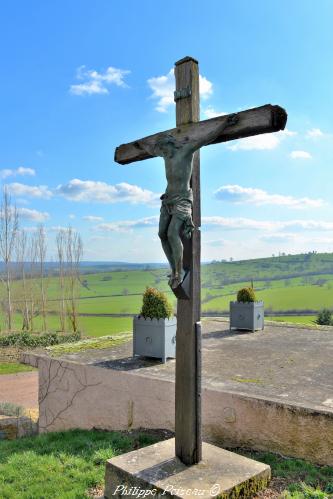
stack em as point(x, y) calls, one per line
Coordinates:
point(178, 170)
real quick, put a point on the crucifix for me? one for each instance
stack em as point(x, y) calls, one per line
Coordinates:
point(179, 228)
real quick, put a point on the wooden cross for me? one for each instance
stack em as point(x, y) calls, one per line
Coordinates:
point(255, 121)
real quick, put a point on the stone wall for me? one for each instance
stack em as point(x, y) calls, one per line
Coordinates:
point(10, 354)
point(12, 427)
point(83, 396)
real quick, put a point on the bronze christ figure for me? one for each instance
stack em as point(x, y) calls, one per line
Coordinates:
point(176, 210)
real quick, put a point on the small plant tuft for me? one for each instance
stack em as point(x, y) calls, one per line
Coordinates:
point(155, 305)
point(9, 409)
point(324, 318)
point(246, 295)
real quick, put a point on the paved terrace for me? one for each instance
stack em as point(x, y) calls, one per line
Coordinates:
point(286, 363)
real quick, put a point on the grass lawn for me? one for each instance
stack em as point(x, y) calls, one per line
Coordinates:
point(102, 326)
point(296, 478)
point(89, 326)
point(69, 465)
point(60, 465)
point(14, 367)
point(295, 319)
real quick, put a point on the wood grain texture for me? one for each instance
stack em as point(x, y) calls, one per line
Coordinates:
point(264, 119)
point(188, 376)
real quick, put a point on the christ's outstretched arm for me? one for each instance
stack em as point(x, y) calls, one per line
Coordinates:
point(212, 135)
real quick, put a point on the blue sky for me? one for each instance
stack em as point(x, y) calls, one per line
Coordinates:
point(79, 78)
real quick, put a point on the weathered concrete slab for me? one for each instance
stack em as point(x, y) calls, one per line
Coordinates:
point(290, 364)
point(156, 471)
point(270, 390)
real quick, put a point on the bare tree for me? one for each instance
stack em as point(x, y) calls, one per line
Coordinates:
point(74, 250)
point(32, 256)
point(8, 231)
point(41, 254)
point(61, 252)
point(21, 256)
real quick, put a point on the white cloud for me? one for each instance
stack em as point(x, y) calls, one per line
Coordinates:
point(267, 225)
point(265, 141)
point(94, 82)
point(93, 218)
point(314, 132)
point(259, 197)
point(210, 112)
point(127, 225)
point(273, 227)
point(238, 223)
point(227, 223)
point(287, 133)
point(36, 191)
point(101, 192)
point(279, 238)
point(205, 87)
point(163, 88)
point(72, 216)
point(300, 155)
point(20, 171)
point(57, 228)
point(306, 225)
point(33, 215)
point(296, 238)
point(215, 243)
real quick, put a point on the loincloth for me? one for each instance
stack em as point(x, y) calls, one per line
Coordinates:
point(180, 205)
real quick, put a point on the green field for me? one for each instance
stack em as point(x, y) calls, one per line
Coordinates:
point(293, 297)
point(300, 285)
point(295, 319)
point(89, 326)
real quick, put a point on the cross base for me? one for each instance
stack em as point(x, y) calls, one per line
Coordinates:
point(154, 471)
point(183, 290)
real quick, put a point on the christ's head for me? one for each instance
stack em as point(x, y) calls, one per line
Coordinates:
point(166, 146)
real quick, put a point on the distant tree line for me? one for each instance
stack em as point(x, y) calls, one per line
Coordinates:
point(23, 255)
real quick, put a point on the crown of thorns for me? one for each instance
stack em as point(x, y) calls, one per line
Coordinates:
point(166, 139)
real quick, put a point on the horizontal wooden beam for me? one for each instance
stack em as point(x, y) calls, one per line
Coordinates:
point(264, 119)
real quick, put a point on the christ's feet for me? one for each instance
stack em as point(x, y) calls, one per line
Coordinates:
point(175, 279)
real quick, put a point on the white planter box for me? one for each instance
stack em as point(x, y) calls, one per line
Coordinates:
point(247, 315)
point(154, 337)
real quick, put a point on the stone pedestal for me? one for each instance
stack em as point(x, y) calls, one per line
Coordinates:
point(154, 471)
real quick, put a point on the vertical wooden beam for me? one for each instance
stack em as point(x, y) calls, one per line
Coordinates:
point(188, 346)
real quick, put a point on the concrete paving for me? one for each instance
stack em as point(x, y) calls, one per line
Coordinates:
point(20, 389)
point(285, 363)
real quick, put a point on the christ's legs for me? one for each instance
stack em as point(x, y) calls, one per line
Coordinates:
point(164, 223)
point(176, 246)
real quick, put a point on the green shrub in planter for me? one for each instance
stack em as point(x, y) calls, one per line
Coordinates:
point(154, 330)
point(155, 305)
point(246, 295)
point(246, 312)
point(324, 318)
